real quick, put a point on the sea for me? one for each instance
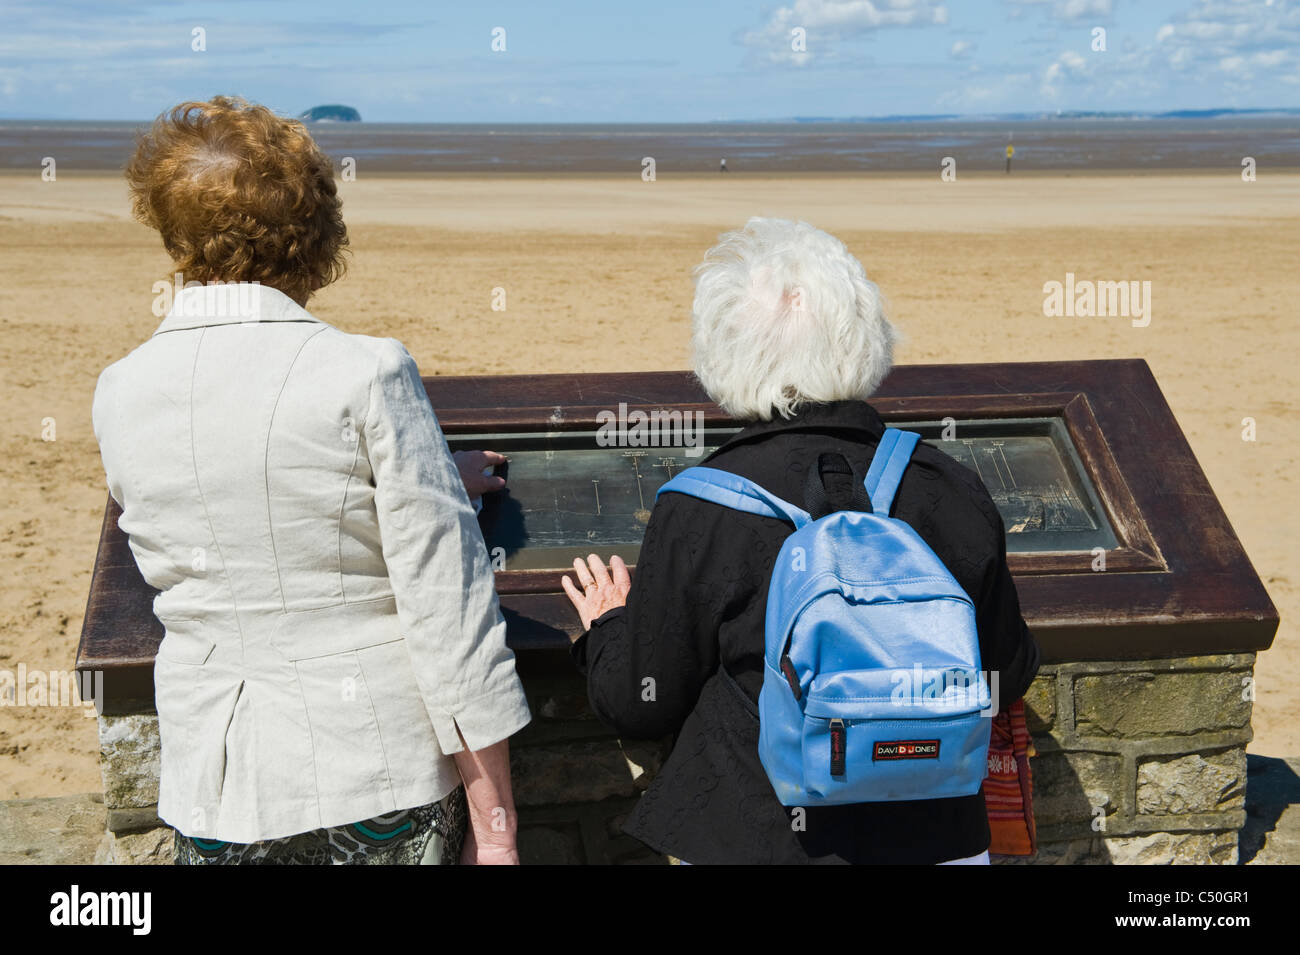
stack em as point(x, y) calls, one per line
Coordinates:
point(830, 146)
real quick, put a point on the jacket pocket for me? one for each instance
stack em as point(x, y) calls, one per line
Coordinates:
point(307, 634)
point(185, 642)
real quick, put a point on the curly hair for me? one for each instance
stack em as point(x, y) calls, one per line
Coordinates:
point(239, 194)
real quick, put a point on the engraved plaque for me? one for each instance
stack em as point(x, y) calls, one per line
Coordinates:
point(567, 496)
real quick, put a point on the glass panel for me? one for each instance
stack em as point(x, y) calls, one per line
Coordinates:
point(568, 496)
point(1033, 473)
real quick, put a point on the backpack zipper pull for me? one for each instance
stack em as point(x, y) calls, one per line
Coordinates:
point(839, 743)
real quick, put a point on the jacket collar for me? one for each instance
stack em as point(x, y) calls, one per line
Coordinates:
point(235, 303)
point(847, 415)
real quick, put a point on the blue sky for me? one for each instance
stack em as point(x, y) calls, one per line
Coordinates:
point(663, 61)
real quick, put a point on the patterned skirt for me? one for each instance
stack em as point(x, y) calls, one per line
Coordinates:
point(425, 835)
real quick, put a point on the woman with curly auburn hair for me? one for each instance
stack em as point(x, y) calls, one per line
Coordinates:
point(240, 195)
point(334, 683)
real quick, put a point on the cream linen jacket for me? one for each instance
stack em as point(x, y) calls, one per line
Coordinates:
point(329, 607)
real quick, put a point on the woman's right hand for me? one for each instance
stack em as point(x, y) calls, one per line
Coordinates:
point(493, 853)
point(490, 833)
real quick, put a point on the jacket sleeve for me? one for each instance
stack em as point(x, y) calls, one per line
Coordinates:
point(1006, 644)
point(101, 420)
point(438, 565)
point(646, 662)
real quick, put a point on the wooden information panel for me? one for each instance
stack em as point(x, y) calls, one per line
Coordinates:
point(1082, 459)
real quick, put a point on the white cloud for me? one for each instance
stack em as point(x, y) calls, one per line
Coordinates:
point(961, 48)
point(1245, 42)
point(1079, 9)
point(825, 23)
point(1224, 47)
point(1071, 10)
point(1068, 66)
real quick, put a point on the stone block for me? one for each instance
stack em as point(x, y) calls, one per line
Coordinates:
point(1068, 852)
point(1176, 848)
point(133, 820)
point(130, 754)
point(551, 732)
point(1040, 705)
point(583, 771)
point(549, 845)
point(152, 847)
point(1192, 783)
point(560, 700)
point(1068, 787)
point(1156, 848)
point(1144, 704)
point(51, 830)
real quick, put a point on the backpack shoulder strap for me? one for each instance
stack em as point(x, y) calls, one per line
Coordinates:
point(733, 491)
point(887, 467)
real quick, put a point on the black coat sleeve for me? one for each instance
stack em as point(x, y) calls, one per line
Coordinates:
point(1007, 646)
point(645, 663)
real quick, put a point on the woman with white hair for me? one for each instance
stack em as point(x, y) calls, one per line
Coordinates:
point(790, 338)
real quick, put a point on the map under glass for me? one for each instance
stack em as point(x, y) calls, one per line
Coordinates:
point(568, 496)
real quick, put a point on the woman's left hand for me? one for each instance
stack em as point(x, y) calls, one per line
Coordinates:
point(602, 590)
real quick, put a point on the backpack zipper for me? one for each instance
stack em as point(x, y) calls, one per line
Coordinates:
point(791, 677)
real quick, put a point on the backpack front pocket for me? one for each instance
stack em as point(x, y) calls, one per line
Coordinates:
point(849, 761)
point(866, 748)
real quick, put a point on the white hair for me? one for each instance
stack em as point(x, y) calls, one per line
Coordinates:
point(784, 315)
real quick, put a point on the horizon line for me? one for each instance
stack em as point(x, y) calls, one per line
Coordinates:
point(1015, 116)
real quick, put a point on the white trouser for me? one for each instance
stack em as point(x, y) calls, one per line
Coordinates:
point(981, 859)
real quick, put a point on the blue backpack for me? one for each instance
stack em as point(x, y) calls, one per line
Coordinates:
point(872, 689)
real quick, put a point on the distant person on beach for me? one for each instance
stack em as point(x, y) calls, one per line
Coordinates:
point(334, 684)
point(723, 166)
point(789, 338)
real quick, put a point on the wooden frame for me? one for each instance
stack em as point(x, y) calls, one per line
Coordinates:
point(1178, 584)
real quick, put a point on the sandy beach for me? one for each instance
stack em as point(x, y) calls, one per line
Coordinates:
point(597, 276)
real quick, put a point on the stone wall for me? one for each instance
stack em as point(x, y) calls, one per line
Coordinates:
point(1141, 761)
point(1138, 762)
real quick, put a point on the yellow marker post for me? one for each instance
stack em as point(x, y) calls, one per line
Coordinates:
point(1011, 151)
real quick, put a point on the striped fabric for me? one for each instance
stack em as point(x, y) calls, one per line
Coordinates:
point(1008, 788)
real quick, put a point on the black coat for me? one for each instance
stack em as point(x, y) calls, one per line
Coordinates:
point(698, 601)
